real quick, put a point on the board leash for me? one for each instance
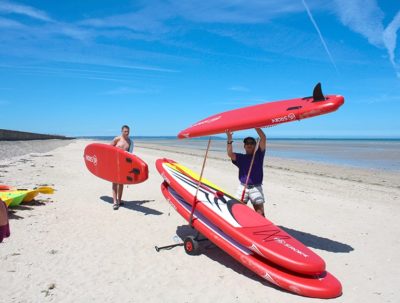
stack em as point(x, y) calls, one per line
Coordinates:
point(199, 183)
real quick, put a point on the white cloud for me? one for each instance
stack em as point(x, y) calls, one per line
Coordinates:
point(366, 18)
point(123, 75)
point(153, 16)
point(153, 22)
point(363, 17)
point(319, 34)
point(14, 8)
point(390, 38)
point(149, 19)
point(51, 27)
point(9, 23)
point(239, 11)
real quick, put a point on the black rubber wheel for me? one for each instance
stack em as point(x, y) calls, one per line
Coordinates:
point(191, 245)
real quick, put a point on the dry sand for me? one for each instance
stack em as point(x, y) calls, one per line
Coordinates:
point(72, 247)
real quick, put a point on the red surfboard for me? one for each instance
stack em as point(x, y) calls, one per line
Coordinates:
point(114, 164)
point(322, 286)
point(240, 222)
point(266, 114)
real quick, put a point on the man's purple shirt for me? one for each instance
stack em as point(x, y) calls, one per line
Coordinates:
point(243, 163)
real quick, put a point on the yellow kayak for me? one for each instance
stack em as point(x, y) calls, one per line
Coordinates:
point(30, 194)
point(12, 198)
point(6, 200)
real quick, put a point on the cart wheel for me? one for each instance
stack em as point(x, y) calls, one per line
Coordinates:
point(191, 245)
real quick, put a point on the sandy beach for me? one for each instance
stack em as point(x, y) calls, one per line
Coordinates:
point(72, 247)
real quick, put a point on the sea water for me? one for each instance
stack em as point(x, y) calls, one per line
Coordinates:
point(365, 153)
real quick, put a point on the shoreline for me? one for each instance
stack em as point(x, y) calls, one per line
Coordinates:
point(309, 167)
point(12, 151)
point(375, 154)
point(382, 156)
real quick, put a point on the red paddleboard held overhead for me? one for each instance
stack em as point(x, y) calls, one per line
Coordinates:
point(266, 114)
point(114, 164)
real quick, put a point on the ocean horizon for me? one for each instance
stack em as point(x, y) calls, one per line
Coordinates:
point(205, 138)
point(369, 153)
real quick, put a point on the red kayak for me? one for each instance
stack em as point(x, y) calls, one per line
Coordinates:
point(323, 286)
point(240, 222)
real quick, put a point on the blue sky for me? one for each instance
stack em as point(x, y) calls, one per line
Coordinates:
point(87, 67)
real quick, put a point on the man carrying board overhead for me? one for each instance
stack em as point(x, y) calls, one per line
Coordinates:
point(125, 143)
point(250, 166)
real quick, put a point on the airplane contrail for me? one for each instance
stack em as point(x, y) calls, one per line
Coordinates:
point(320, 35)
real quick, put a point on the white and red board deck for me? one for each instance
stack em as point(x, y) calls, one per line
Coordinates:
point(240, 222)
point(323, 285)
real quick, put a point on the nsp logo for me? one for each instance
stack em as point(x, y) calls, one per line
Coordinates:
point(92, 159)
point(286, 118)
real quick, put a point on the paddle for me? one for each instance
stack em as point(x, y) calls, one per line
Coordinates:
point(199, 184)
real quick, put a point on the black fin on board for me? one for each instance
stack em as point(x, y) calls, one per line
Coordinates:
point(317, 93)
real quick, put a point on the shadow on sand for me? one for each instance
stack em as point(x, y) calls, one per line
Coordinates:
point(135, 205)
point(216, 254)
point(213, 252)
point(12, 211)
point(318, 242)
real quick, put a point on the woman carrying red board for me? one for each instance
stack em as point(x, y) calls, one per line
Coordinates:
point(125, 143)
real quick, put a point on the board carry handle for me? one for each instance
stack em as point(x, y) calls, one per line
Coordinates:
point(135, 171)
point(294, 107)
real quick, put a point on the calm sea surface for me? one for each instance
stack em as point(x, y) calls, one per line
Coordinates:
point(366, 153)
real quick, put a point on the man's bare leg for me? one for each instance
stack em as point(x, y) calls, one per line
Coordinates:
point(259, 208)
